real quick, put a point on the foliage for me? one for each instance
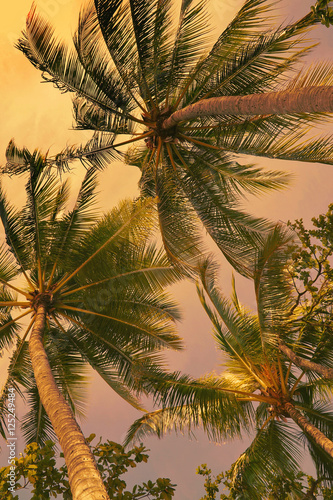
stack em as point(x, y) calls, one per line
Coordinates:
point(280, 487)
point(103, 281)
point(133, 66)
point(323, 12)
point(311, 269)
point(260, 386)
point(37, 469)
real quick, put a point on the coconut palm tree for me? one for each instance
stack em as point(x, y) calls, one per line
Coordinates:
point(188, 109)
point(92, 293)
point(260, 388)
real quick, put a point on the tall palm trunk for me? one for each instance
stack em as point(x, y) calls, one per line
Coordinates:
point(84, 478)
point(307, 100)
point(321, 440)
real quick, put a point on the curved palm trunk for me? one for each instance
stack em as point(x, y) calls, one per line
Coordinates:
point(305, 364)
point(307, 100)
point(84, 478)
point(321, 440)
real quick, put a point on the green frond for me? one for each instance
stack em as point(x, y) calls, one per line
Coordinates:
point(190, 44)
point(315, 75)
point(71, 228)
point(266, 137)
point(17, 159)
point(8, 266)
point(182, 419)
point(96, 153)
point(231, 178)
point(62, 67)
point(90, 117)
point(211, 395)
point(241, 30)
point(272, 285)
point(259, 66)
point(215, 203)
point(114, 18)
point(8, 327)
point(274, 450)
point(97, 63)
point(36, 426)
point(178, 224)
point(240, 341)
point(14, 234)
point(103, 360)
point(128, 323)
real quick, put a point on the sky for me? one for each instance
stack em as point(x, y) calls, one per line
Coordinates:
point(39, 116)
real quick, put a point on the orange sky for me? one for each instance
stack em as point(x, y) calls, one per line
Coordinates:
point(37, 115)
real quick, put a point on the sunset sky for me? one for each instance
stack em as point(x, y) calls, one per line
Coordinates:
point(38, 116)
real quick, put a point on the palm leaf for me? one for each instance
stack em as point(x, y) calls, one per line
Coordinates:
point(64, 68)
point(274, 450)
point(273, 290)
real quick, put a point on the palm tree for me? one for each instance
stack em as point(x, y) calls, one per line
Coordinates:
point(260, 387)
point(190, 111)
point(93, 296)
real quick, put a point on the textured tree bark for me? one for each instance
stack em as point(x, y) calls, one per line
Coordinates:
point(320, 438)
point(310, 99)
point(84, 478)
point(305, 364)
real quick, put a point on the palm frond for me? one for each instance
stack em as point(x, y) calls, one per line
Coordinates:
point(181, 419)
point(210, 398)
point(114, 18)
point(14, 234)
point(274, 450)
point(8, 266)
point(96, 61)
point(266, 137)
point(63, 67)
point(258, 55)
point(190, 44)
point(36, 426)
point(95, 354)
point(69, 231)
point(97, 152)
point(272, 287)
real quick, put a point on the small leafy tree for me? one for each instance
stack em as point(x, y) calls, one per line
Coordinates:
point(37, 469)
point(312, 277)
point(295, 486)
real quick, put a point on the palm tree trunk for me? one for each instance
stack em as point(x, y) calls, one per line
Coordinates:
point(85, 481)
point(305, 364)
point(320, 438)
point(306, 100)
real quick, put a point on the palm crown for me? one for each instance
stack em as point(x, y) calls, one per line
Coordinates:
point(260, 387)
point(101, 284)
point(134, 66)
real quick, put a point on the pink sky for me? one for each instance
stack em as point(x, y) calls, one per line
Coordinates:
point(37, 115)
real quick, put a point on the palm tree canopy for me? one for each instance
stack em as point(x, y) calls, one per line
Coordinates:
point(259, 386)
point(134, 64)
point(102, 281)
